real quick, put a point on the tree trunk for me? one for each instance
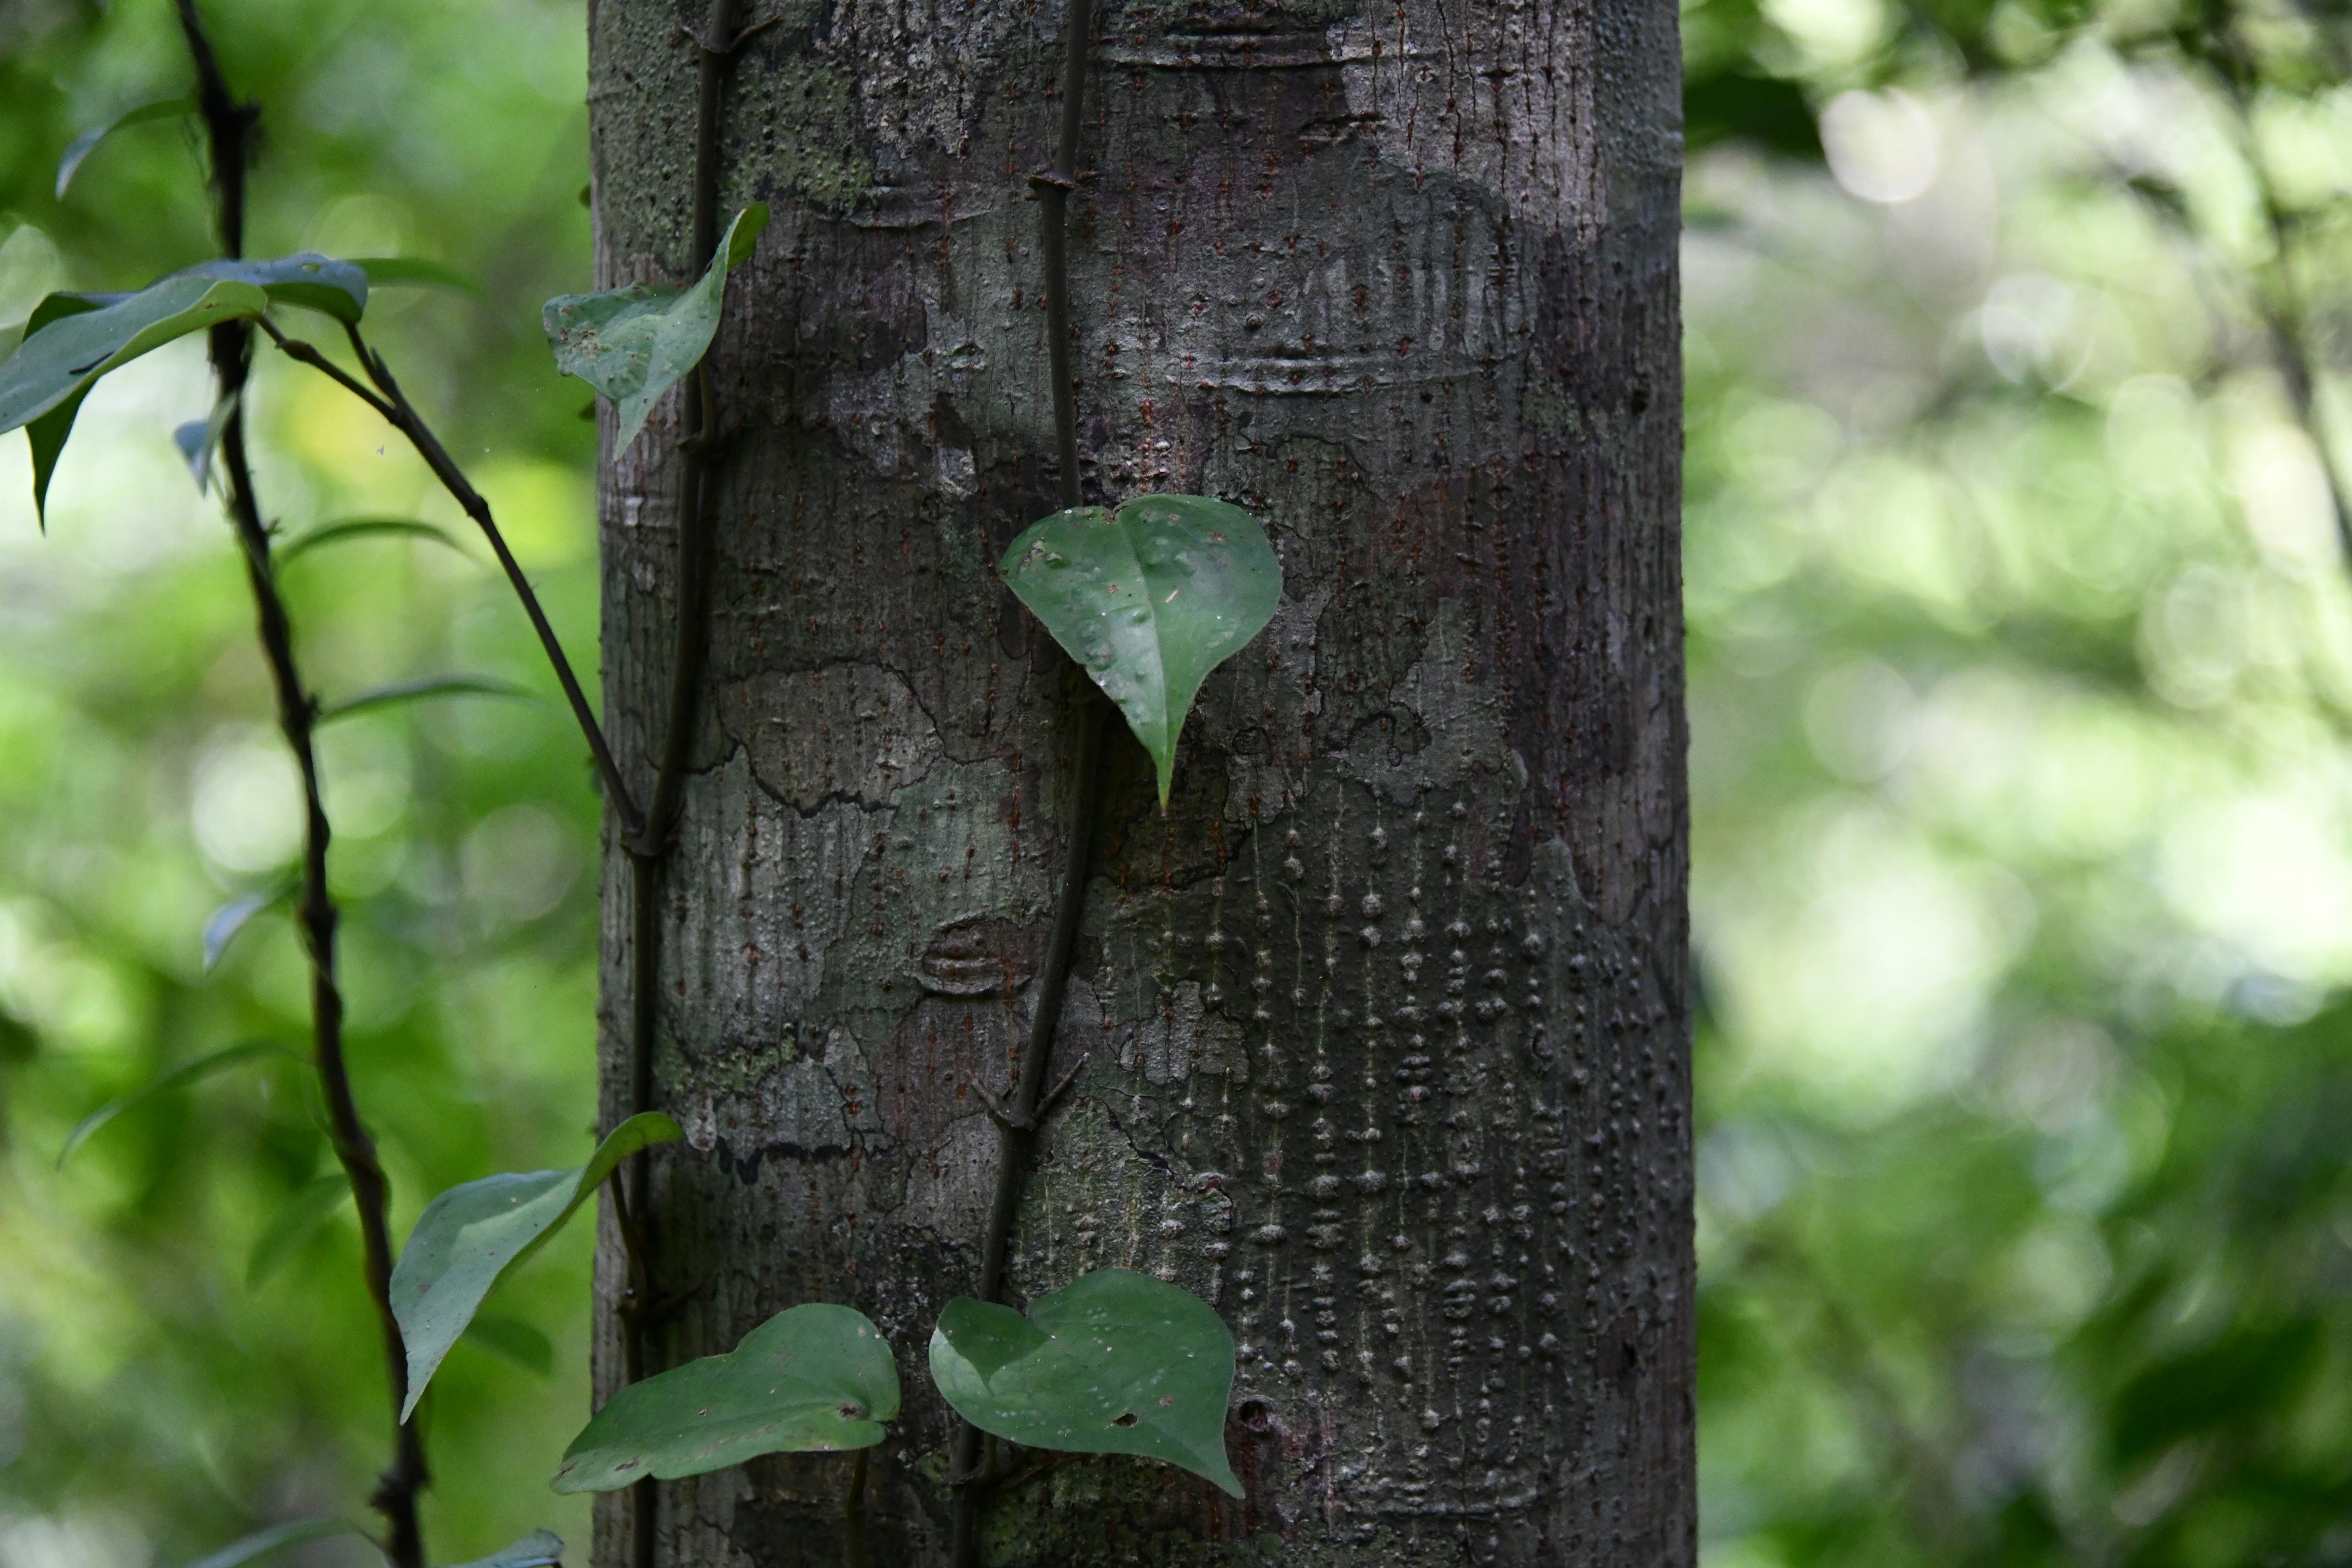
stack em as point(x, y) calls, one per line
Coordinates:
point(1385, 1022)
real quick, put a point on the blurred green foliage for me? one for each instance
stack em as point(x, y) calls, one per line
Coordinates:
point(2020, 668)
point(153, 1404)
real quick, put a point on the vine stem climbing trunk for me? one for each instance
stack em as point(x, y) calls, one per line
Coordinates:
point(648, 847)
point(1381, 1030)
point(229, 126)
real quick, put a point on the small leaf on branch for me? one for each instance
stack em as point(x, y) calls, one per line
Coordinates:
point(423, 685)
point(1116, 1362)
point(815, 1378)
point(71, 340)
point(414, 272)
point(223, 924)
point(79, 149)
point(512, 1341)
point(363, 528)
point(295, 1224)
point(539, 1549)
point(472, 1236)
point(1149, 600)
point(262, 1541)
point(198, 439)
point(180, 1077)
point(635, 343)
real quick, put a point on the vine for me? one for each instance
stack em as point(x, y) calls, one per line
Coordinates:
point(1146, 598)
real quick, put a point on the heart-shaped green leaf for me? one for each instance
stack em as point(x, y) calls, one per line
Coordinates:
point(71, 340)
point(1149, 600)
point(471, 1238)
point(1116, 1362)
point(814, 1378)
point(635, 343)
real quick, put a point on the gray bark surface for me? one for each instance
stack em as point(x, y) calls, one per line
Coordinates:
point(1386, 1022)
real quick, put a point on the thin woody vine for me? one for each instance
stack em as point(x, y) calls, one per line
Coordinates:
point(1148, 598)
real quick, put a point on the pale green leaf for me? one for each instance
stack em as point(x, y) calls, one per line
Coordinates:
point(471, 1238)
point(295, 1224)
point(363, 528)
point(423, 686)
point(414, 272)
point(315, 282)
point(78, 149)
point(512, 1341)
point(539, 1549)
point(222, 926)
point(261, 1542)
point(178, 1077)
point(72, 339)
point(635, 343)
point(1149, 599)
point(815, 1378)
point(1116, 1362)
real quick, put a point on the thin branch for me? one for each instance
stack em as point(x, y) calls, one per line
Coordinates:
point(229, 126)
point(393, 404)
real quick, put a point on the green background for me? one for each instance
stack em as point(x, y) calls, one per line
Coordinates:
point(2021, 693)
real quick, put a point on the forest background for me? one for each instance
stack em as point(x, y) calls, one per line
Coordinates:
point(2021, 679)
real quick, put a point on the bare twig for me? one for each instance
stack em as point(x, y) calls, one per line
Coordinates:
point(388, 400)
point(230, 125)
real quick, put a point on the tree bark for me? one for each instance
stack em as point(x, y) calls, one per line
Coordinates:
point(1386, 1021)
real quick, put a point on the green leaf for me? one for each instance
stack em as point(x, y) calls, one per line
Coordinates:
point(512, 1341)
point(815, 1378)
point(1118, 1363)
point(633, 345)
point(423, 686)
point(71, 341)
point(295, 1224)
point(363, 528)
point(223, 924)
point(180, 1077)
point(315, 282)
point(262, 1541)
point(539, 1549)
point(198, 439)
point(82, 146)
point(414, 272)
point(1149, 600)
point(471, 1238)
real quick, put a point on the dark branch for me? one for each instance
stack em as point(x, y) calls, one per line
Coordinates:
point(648, 842)
point(389, 401)
point(229, 126)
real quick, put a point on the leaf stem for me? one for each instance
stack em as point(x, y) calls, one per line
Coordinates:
point(852, 1512)
point(230, 125)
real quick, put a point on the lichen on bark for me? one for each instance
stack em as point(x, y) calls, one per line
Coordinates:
point(1385, 1021)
